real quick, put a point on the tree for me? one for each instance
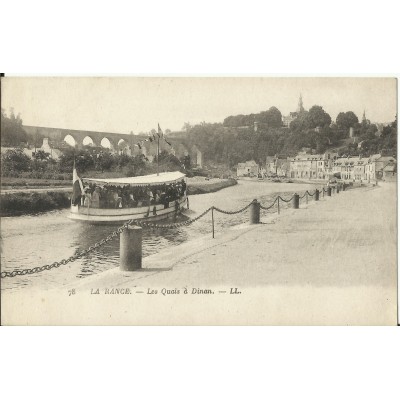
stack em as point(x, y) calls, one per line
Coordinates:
point(318, 118)
point(300, 123)
point(83, 159)
point(41, 155)
point(186, 161)
point(15, 160)
point(187, 127)
point(105, 161)
point(346, 120)
point(272, 117)
point(12, 132)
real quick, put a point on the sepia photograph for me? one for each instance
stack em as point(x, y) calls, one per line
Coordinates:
point(198, 200)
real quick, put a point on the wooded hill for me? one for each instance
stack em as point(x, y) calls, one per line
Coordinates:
point(237, 140)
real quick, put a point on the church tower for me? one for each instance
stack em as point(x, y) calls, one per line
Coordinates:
point(300, 107)
point(364, 119)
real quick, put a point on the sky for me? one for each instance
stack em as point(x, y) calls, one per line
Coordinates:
point(125, 104)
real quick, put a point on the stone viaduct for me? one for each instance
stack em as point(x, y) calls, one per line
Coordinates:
point(59, 137)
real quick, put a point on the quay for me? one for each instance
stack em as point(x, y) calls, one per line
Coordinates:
point(331, 261)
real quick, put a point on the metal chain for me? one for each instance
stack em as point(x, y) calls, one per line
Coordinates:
point(65, 261)
point(267, 208)
point(174, 225)
point(111, 236)
point(286, 201)
point(118, 231)
point(232, 212)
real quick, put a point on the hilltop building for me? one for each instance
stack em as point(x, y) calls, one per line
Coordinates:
point(287, 119)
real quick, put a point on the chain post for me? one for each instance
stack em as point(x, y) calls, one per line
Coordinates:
point(212, 219)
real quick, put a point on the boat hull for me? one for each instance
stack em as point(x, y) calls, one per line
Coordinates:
point(121, 215)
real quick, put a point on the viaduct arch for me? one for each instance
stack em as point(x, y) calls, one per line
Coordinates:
point(118, 141)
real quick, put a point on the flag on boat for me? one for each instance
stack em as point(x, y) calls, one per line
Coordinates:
point(77, 187)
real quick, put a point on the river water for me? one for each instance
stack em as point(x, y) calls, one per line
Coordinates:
point(36, 240)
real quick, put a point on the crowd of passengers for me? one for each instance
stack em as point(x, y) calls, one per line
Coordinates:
point(127, 196)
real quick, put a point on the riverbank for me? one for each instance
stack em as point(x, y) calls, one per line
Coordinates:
point(199, 185)
point(22, 203)
point(32, 200)
point(325, 263)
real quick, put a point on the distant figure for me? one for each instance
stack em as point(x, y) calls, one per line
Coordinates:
point(88, 198)
point(96, 198)
point(117, 200)
point(132, 202)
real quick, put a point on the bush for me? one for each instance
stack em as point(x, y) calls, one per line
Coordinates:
point(29, 203)
point(15, 160)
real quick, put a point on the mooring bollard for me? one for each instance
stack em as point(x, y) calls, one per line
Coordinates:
point(329, 191)
point(296, 200)
point(212, 220)
point(130, 248)
point(316, 195)
point(255, 212)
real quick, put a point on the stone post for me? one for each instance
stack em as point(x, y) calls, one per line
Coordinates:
point(296, 200)
point(255, 212)
point(130, 248)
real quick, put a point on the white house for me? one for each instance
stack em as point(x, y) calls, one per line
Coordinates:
point(248, 168)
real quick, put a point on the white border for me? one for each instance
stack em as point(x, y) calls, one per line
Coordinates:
point(306, 38)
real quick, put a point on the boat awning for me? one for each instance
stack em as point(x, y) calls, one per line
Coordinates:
point(145, 180)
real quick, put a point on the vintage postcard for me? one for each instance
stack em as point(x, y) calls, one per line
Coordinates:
point(198, 201)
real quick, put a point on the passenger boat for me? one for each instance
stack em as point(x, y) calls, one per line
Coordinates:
point(168, 199)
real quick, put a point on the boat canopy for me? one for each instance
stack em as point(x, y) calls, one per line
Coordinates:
point(144, 180)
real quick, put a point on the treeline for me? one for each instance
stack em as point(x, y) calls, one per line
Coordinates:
point(314, 130)
point(12, 132)
point(271, 118)
point(15, 163)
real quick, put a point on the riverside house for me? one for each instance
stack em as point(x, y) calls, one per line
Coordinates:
point(381, 167)
point(277, 165)
point(312, 166)
point(365, 168)
point(248, 168)
point(325, 166)
point(350, 168)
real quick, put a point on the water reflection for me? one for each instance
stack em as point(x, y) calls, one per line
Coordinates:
point(30, 241)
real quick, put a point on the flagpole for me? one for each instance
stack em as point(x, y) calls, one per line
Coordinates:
point(158, 154)
point(73, 169)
